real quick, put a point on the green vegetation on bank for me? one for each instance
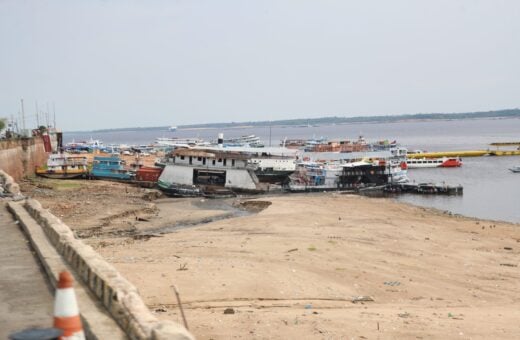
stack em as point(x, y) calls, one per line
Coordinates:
point(511, 113)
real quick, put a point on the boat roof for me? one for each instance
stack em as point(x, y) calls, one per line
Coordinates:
point(277, 151)
point(210, 153)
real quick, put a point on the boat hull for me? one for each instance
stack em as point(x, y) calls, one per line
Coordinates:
point(65, 175)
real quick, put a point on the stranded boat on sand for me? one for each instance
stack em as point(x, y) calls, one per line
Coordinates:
point(64, 166)
point(190, 172)
point(110, 168)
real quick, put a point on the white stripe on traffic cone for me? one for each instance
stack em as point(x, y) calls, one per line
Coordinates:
point(66, 312)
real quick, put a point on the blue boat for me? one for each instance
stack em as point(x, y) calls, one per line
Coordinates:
point(110, 168)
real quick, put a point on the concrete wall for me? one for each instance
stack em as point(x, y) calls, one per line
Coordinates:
point(20, 157)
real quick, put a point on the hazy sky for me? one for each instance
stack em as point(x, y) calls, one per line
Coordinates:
point(148, 63)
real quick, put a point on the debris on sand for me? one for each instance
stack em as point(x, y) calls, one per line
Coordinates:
point(229, 311)
point(362, 298)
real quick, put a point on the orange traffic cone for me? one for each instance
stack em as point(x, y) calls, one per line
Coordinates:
point(66, 313)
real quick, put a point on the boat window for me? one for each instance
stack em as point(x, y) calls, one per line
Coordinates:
point(182, 157)
point(232, 162)
point(204, 160)
point(213, 162)
point(225, 159)
point(220, 160)
point(199, 159)
point(191, 160)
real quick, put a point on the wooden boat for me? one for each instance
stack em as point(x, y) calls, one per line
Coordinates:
point(110, 168)
point(64, 166)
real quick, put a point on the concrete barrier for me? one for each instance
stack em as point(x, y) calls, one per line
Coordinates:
point(8, 183)
point(119, 296)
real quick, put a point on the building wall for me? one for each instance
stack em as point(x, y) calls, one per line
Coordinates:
point(19, 158)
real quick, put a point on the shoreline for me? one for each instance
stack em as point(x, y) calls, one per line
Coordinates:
point(293, 267)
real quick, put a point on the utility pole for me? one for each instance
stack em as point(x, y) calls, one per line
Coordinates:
point(23, 118)
point(37, 115)
point(54, 110)
point(47, 115)
point(270, 126)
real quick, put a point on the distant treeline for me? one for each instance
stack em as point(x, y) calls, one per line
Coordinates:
point(512, 113)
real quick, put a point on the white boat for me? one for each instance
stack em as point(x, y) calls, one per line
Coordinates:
point(179, 142)
point(172, 128)
point(444, 162)
point(250, 140)
point(194, 172)
point(515, 169)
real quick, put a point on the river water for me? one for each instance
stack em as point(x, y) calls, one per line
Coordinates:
point(491, 191)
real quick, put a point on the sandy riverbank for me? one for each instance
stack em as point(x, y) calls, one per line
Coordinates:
point(292, 269)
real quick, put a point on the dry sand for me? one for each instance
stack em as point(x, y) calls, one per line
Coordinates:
point(292, 270)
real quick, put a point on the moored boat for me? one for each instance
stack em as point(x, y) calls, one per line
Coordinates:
point(148, 174)
point(193, 172)
point(64, 166)
point(444, 162)
point(515, 169)
point(110, 168)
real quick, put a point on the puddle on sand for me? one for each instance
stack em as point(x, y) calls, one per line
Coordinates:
point(230, 207)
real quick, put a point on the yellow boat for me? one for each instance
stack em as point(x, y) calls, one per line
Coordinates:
point(64, 166)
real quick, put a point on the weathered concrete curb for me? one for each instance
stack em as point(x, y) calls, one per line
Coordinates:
point(9, 184)
point(120, 297)
point(98, 324)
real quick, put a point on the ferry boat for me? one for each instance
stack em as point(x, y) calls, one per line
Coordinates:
point(90, 145)
point(179, 142)
point(110, 168)
point(311, 176)
point(194, 172)
point(246, 141)
point(444, 162)
point(64, 166)
point(272, 164)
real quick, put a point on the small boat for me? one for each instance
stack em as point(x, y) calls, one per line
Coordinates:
point(444, 162)
point(64, 166)
point(110, 168)
point(515, 169)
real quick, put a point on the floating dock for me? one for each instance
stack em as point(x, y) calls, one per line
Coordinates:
point(421, 188)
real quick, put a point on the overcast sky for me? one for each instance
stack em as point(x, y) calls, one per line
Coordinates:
point(128, 63)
